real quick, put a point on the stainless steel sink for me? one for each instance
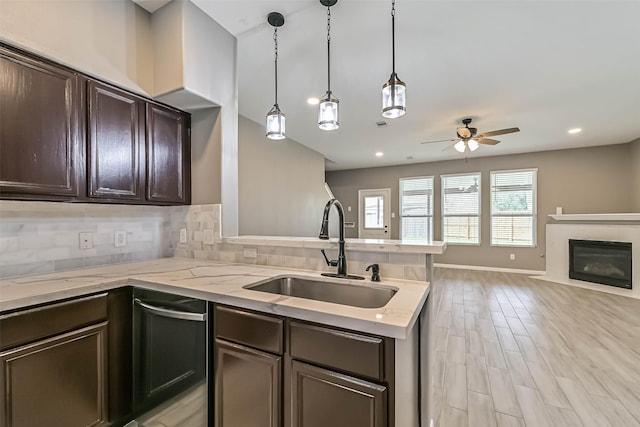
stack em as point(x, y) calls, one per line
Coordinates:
point(337, 293)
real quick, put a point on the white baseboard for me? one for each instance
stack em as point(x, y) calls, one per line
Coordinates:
point(483, 268)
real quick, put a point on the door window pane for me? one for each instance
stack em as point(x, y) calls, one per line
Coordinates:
point(373, 212)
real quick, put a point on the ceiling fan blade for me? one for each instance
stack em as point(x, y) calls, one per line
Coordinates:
point(487, 141)
point(440, 140)
point(498, 132)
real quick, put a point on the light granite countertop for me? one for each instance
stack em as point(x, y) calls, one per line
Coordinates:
point(367, 245)
point(223, 283)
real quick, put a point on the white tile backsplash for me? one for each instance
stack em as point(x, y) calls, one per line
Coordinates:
point(42, 237)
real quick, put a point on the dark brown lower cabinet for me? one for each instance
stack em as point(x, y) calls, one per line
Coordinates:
point(56, 382)
point(248, 387)
point(321, 397)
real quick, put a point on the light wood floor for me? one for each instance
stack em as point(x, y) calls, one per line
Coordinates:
point(514, 351)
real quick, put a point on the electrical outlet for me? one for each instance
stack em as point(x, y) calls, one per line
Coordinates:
point(183, 235)
point(512, 257)
point(86, 240)
point(250, 253)
point(348, 208)
point(120, 239)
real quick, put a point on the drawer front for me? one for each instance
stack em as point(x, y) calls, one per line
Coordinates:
point(346, 351)
point(31, 325)
point(255, 330)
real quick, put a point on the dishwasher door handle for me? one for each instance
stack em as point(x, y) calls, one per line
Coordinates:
point(165, 312)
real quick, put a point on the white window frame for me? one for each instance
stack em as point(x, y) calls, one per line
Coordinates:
point(433, 190)
point(442, 214)
point(534, 219)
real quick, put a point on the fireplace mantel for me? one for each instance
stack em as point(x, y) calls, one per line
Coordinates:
point(607, 217)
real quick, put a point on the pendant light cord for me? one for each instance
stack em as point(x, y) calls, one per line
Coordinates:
point(393, 36)
point(329, 50)
point(275, 41)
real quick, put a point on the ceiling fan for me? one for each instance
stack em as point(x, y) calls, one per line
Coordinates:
point(469, 139)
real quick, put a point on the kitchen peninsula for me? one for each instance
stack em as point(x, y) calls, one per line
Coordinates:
point(401, 323)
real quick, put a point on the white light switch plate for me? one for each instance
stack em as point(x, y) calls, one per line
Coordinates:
point(120, 239)
point(183, 235)
point(208, 237)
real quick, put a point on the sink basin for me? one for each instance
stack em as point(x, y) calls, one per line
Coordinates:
point(337, 293)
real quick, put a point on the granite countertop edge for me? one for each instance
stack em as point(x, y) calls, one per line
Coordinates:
point(223, 283)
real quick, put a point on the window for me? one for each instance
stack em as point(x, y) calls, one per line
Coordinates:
point(416, 208)
point(461, 208)
point(513, 207)
point(373, 211)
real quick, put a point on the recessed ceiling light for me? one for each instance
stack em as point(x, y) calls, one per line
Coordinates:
point(313, 101)
point(379, 154)
point(575, 130)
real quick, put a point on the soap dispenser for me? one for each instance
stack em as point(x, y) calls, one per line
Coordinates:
point(375, 270)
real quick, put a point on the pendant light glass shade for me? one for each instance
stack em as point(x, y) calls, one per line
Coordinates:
point(460, 146)
point(393, 98)
point(275, 118)
point(276, 123)
point(329, 113)
point(473, 144)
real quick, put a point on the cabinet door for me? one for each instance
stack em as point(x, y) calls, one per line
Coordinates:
point(116, 147)
point(57, 382)
point(168, 155)
point(321, 398)
point(248, 387)
point(41, 149)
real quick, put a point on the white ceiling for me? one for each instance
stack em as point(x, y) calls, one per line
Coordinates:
point(544, 66)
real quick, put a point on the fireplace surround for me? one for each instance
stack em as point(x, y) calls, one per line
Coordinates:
point(603, 262)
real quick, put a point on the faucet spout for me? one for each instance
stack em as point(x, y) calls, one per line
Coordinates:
point(341, 262)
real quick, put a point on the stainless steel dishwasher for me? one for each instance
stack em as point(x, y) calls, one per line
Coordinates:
point(169, 359)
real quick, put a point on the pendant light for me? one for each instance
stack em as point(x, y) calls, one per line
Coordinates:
point(275, 117)
point(393, 91)
point(329, 110)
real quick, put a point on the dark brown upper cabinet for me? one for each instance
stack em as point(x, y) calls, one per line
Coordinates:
point(115, 143)
point(168, 155)
point(66, 136)
point(41, 129)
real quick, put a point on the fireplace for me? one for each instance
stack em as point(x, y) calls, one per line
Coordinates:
point(607, 263)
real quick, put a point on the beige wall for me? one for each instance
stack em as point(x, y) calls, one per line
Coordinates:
point(586, 180)
point(634, 158)
point(281, 185)
point(107, 39)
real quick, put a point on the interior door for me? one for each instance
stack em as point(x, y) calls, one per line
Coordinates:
point(374, 214)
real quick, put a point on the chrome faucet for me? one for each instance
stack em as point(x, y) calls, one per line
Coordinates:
point(341, 262)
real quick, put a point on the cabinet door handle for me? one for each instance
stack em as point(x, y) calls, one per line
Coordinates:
point(164, 312)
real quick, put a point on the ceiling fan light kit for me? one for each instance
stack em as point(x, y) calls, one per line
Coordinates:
point(276, 119)
point(329, 109)
point(394, 90)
